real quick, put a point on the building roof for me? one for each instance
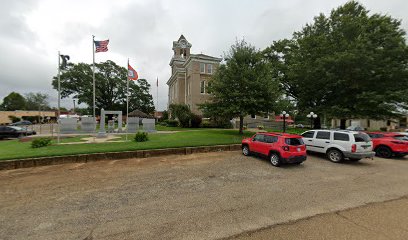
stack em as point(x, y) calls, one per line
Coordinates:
point(138, 113)
point(181, 37)
point(205, 57)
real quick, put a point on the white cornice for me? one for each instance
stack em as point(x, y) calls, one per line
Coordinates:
point(202, 58)
point(173, 77)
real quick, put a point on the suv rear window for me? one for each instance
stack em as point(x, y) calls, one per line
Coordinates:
point(308, 134)
point(361, 137)
point(341, 137)
point(294, 141)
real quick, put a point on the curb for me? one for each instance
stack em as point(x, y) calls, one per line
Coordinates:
point(92, 157)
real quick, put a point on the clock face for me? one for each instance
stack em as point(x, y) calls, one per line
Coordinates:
point(183, 43)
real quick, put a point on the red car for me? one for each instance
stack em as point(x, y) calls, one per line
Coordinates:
point(280, 148)
point(389, 144)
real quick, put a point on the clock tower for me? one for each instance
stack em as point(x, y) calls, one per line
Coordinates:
point(181, 49)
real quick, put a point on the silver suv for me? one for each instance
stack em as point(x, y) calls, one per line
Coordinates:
point(339, 144)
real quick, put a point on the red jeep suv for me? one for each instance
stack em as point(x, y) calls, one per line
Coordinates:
point(278, 147)
point(387, 145)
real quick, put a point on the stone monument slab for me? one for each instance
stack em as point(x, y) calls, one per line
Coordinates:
point(133, 124)
point(149, 125)
point(88, 124)
point(68, 125)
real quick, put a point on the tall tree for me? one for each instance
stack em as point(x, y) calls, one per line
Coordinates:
point(110, 79)
point(13, 101)
point(36, 101)
point(243, 85)
point(348, 65)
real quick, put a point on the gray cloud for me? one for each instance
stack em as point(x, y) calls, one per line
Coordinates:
point(143, 31)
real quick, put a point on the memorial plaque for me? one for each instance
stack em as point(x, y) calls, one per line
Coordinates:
point(133, 124)
point(68, 125)
point(88, 124)
point(149, 125)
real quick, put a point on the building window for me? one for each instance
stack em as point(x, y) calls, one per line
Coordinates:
point(209, 87)
point(253, 116)
point(266, 116)
point(209, 68)
point(202, 87)
point(202, 68)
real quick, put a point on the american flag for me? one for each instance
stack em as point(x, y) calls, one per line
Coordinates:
point(101, 46)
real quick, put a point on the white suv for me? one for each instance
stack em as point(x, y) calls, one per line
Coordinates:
point(339, 144)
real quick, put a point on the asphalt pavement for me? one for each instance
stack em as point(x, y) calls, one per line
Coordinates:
point(199, 196)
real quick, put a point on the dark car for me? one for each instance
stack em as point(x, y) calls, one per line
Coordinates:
point(14, 132)
point(21, 123)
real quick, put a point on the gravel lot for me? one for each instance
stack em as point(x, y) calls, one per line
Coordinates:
point(200, 196)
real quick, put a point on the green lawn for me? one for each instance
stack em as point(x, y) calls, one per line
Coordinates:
point(165, 128)
point(13, 149)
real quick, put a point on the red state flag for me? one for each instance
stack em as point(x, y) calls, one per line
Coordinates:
point(132, 74)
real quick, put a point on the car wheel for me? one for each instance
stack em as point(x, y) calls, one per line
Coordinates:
point(383, 151)
point(245, 150)
point(275, 160)
point(355, 159)
point(335, 155)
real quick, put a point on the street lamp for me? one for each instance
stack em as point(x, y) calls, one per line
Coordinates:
point(284, 115)
point(312, 116)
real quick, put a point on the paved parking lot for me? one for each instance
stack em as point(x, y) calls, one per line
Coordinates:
point(200, 196)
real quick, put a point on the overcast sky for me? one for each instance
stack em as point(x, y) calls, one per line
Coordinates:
point(32, 32)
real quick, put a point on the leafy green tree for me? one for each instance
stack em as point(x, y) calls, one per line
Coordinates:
point(13, 101)
point(110, 79)
point(243, 85)
point(36, 101)
point(165, 116)
point(182, 113)
point(347, 65)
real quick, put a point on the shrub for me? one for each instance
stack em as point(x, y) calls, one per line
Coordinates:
point(222, 122)
point(14, 119)
point(206, 124)
point(165, 116)
point(172, 123)
point(30, 118)
point(40, 142)
point(196, 120)
point(141, 137)
point(383, 129)
point(181, 112)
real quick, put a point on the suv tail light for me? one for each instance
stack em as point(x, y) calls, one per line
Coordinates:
point(353, 148)
point(285, 148)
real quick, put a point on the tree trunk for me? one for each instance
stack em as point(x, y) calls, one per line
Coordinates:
point(317, 123)
point(342, 123)
point(241, 124)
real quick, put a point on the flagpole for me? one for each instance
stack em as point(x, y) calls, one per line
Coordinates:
point(93, 81)
point(59, 96)
point(127, 100)
point(157, 96)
